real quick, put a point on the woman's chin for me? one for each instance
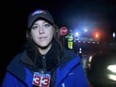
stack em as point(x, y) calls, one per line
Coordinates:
point(43, 46)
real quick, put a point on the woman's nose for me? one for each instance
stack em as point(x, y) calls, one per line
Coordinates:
point(41, 30)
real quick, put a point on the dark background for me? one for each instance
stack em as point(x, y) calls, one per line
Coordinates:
point(67, 13)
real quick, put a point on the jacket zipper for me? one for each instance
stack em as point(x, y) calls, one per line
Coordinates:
point(44, 64)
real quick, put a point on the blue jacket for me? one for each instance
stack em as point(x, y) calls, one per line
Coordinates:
point(68, 74)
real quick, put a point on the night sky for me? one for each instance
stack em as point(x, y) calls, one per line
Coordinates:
point(69, 13)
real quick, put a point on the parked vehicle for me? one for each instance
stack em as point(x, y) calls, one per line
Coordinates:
point(102, 70)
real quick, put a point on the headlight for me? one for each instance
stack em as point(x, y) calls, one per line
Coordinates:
point(112, 77)
point(112, 68)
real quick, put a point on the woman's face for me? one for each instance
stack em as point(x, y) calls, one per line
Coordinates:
point(42, 33)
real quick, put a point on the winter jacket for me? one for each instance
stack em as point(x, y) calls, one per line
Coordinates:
point(69, 73)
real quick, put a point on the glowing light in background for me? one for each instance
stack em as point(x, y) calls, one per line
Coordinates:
point(114, 35)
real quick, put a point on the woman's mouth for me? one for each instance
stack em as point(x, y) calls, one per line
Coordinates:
point(42, 38)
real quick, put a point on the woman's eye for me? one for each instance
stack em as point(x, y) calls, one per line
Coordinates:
point(47, 25)
point(34, 27)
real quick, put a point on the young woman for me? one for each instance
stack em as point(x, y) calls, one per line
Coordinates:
point(44, 62)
